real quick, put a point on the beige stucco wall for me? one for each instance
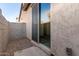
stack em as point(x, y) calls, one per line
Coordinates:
point(64, 28)
point(29, 23)
point(17, 31)
point(26, 17)
point(3, 32)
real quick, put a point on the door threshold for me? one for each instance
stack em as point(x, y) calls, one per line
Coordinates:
point(45, 48)
point(42, 47)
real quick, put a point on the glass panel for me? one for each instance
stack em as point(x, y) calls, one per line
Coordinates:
point(35, 19)
point(44, 28)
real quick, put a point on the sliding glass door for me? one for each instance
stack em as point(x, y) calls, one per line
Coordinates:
point(44, 24)
point(41, 23)
point(35, 20)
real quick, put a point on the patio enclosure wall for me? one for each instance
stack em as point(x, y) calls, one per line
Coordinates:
point(3, 32)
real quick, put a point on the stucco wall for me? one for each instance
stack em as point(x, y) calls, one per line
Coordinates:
point(3, 32)
point(29, 23)
point(17, 31)
point(26, 17)
point(64, 28)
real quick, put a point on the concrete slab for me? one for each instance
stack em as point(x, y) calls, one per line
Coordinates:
point(18, 44)
point(32, 51)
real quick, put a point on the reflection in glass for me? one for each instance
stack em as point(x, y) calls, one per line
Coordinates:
point(44, 37)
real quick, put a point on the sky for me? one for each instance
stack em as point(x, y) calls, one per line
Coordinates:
point(10, 11)
point(45, 9)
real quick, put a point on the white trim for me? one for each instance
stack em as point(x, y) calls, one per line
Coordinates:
point(38, 23)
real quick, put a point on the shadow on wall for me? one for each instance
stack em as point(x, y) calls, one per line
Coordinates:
point(17, 31)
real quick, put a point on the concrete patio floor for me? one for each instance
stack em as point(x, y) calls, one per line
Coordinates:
point(22, 47)
point(18, 44)
point(32, 51)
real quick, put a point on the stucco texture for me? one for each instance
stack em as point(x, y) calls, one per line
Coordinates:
point(64, 28)
point(3, 32)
